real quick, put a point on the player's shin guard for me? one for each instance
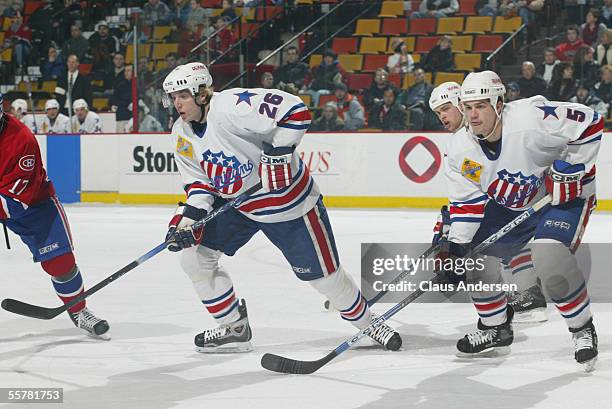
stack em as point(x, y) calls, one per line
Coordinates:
point(66, 279)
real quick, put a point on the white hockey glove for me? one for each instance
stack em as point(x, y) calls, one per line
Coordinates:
point(180, 233)
point(564, 181)
point(275, 168)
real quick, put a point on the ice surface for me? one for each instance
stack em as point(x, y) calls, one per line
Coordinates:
point(154, 314)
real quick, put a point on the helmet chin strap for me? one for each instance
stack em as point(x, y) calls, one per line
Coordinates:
point(203, 107)
point(497, 122)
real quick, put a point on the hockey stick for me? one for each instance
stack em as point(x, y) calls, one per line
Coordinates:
point(281, 364)
point(43, 313)
point(8, 243)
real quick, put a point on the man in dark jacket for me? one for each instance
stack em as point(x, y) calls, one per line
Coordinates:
point(380, 84)
point(440, 58)
point(415, 99)
point(292, 72)
point(325, 77)
point(530, 83)
point(328, 121)
point(72, 86)
point(387, 114)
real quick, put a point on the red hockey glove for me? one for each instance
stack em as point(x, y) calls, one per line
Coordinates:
point(275, 168)
point(180, 234)
point(563, 181)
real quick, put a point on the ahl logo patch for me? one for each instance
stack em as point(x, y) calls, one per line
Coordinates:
point(184, 148)
point(471, 170)
point(26, 163)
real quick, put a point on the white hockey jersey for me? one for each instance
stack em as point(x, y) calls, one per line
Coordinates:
point(61, 124)
point(535, 132)
point(34, 122)
point(224, 160)
point(91, 124)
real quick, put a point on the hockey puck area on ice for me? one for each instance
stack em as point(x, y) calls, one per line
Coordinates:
point(326, 304)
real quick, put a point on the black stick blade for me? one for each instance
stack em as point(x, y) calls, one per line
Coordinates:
point(281, 364)
point(29, 310)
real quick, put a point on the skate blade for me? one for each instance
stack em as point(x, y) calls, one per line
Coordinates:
point(487, 353)
point(530, 317)
point(588, 366)
point(231, 348)
point(102, 337)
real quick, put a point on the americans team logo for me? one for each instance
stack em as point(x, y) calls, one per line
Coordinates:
point(513, 190)
point(225, 172)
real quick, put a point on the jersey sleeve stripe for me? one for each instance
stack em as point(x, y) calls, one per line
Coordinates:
point(289, 195)
point(473, 219)
point(592, 132)
point(478, 199)
point(293, 108)
point(295, 127)
point(467, 209)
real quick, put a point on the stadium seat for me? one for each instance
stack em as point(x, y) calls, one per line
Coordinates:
point(467, 62)
point(250, 16)
point(6, 55)
point(359, 81)
point(467, 8)
point(248, 29)
point(410, 42)
point(373, 62)
point(159, 32)
point(450, 25)
point(211, 3)
point(487, 43)
point(396, 79)
point(100, 104)
point(351, 62)
point(367, 27)
point(395, 26)
point(306, 98)
point(49, 86)
point(392, 9)
point(409, 79)
point(416, 58)
point(315, 60)
point(422, 26)
point(324, 99)
point(31, 6)
point(6, 23)
point(304, 2)
point(160, 65)
point(462, 44)
point(345, 45)
point(1, 37)
point(374, 45)
point(424, 44)
point(442, 77)
point(143, 50)
point(478, 25)
point(161, 50)
point(506, 25)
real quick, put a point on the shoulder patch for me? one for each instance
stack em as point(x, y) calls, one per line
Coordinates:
point(471, 170)
point(184, 147)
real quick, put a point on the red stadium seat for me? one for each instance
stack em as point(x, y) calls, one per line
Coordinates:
point(345, 45)
point(395, 26)
point(396, 79)
point(467, 8)
point(374, 61)
point(422, 26)
point(211, 3)
point(424, 44)
point(324, 99)
point(487, 43)
point(359, 82)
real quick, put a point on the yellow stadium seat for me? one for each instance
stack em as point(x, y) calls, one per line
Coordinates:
point(1, 37)
point(450, 25)
point(143, 51)
point(100, 104)
point(367, 27)
point(6, 24)
point(304, 2)
point(416, 58)
point(249, 16)
point(462, 44)
point(306, 98)
point(7, 55)
point(315, 60)
point(506, 25)
point(410, 42)
point(49, 86)
point(160, 65)
point(161, 50)
point(409, 79)
point(478, 25)
point(351, 62)
point(159, 32)
point(392, 9)
point(442, 77)
point(374, 45)
point(468, 62)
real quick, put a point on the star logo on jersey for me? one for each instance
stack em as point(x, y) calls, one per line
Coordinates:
point(245, 96)
point(471, 170)
point(514, 190)
point(184, 148)
point(549, 110)
point(225, 172)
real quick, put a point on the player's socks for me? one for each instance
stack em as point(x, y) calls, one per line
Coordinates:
point(488, 341)
point(230, 337)
point(94, 326)
point(529, 305)
point(224, 307)
point(66, 278)
point(575, 307)
point(585, 345)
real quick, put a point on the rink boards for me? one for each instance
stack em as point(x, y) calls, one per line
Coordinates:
point(364, 170)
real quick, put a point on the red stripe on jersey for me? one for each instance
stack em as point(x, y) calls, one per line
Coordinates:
point(467, 209)
point(221, 306)
point(593, 129)
point(320, 235)
point(520, 260)
point(490, 306)
point(298, 116)
point(279, 200)
point(573, 304)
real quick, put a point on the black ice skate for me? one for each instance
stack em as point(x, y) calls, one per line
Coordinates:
point(529, 305)
point(387, 337)
point(585, 345)
point(488, 341)
point(233, 337)
point(94, 326)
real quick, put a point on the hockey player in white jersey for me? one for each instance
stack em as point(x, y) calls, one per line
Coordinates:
point(54, 121)
point(528, 302)
point(509, 157)
point(83, 120)
point(226, 143)
point(19, 109)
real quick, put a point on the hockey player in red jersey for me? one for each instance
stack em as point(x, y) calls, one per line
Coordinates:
point(31, 210)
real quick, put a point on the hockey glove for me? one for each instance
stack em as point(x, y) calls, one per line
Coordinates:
point(180, 234)
point(563, 181)
point(446, 256)
point(275, 168)
point(442, 226)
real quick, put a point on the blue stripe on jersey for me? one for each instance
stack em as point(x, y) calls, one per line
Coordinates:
point(584, 143)
point(200, 192)
point(488, 299)
point(294, 108)
point(219, 298)
point(296, 127)
point(232, 308)
point(466, 220)
point(569, 297)
point(471, 201)
point(291, 206)
point(577, 312)
point(525, 267)
point(278, 192)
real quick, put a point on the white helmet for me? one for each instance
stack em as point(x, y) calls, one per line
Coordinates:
point(443, 93)
point(187, 76)
point(80, 103)
point(52, 103)
point(20, 105)
point(482, 85)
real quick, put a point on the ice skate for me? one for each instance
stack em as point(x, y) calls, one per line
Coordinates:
point(488, 341)
point(94, 326)
point(386, 336)
point(585, 345)
point(227, 338)
point(529, 305)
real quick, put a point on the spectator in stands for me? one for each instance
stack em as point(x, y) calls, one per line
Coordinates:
point(592, 29)
point(126, 37)
point(156, 13)
point(293, 72)
point(267, 80)
point(54, 66)
point(13, 8)
point(223, 40)
point(104, 46)
point(228, 13)
point(567, 50)
point(349, 108)
point(20, 37)
point(401, 61)
point(115, 74)
point(586, 69)
point(530, 83)
point(440, 58)
point(328, 121)
point(76, 44)
point(525, 9)
point(487, 8)
point(513, 92)
point(604, 51)
point(563, 84)
point(436, 9)
point(606, 13)
point(145, 75)
point(324, 77)
point(83, 120)
point(182, 10)
point(197, 17)
point(44, 23)
point(73, 85)
point(585, 97)
point(146, 122)
point(603, 88)
point(545, 70)
point(375, 93)
point(387, 114)
point(122, 97)
point(416, 99)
